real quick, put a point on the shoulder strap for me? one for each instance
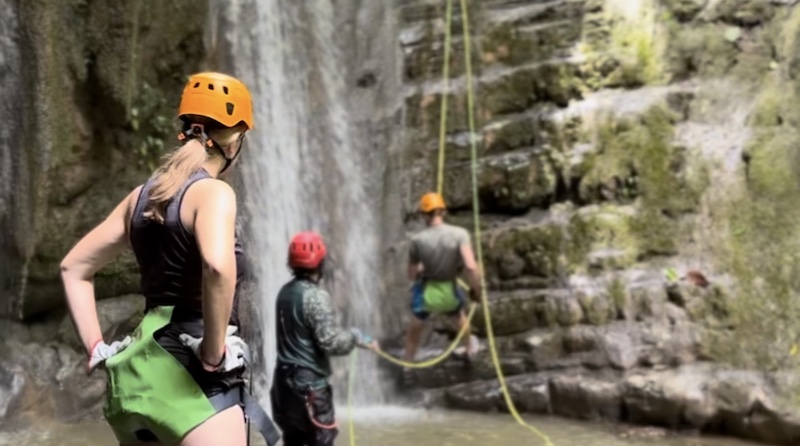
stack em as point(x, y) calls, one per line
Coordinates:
point(174, 208)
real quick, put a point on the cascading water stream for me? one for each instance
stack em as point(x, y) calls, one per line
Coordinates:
point(304, 169)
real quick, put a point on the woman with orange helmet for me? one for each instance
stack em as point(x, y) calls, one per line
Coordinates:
point(179, 378)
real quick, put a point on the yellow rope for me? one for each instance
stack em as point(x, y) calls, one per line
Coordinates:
point(351, 383)
point(432, 362)
point(477, 221)
point(445, 84)
point(476, 215)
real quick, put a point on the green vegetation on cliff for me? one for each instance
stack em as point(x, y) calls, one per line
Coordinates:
point(103, 80)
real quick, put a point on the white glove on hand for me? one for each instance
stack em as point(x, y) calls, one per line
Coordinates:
point(237, 353)
point(362, 340)
point(103, 351)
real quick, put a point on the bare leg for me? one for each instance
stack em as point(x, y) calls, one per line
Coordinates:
point(413, 338)
point(463, 324)
point(225, 428)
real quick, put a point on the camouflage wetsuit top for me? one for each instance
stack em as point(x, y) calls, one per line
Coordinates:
point(306, 331)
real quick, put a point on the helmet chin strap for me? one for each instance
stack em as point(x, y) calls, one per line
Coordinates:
point(197, 131)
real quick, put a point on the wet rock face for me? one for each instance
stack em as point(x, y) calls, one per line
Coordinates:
point(11, 386)
point(700, 397)
point(43, 364)
point(632, 160)
point(101, 85)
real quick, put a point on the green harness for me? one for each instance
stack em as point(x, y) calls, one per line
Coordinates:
point(150, 390)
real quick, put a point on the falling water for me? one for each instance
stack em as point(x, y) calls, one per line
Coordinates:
point(306, 167)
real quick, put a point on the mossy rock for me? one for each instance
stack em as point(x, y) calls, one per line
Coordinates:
point(684, 10)
point(423, 113)
point(510, 45)
point(596, 305)
point(547, 250)
point(744, 12)
point(648, 300)
point(513, 133)
point(635, 158)
point(512, 313)
point(619, 298)
point(761, 248)
point(103, 80)
point(700, 50)
point(517, 183)
point(519, 91)
point(511, 183)
point(610, 228)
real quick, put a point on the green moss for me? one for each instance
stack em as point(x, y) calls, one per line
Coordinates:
point(151, 120)
point(514, 185)
point(700, 50)
point(623, 50)
point(509, 45)
point(606, 227)
point(684, 10)
point(638, 157)
point(104, 79)
point(619, 297)
point(655, 233)
point(745, 12)
point(762, 242)
point(423, 114)
point(596, 307)
point(522, 89)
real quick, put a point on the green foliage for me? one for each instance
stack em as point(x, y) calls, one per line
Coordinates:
point(149, 119)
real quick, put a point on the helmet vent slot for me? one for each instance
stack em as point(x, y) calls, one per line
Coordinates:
point(229, 108)
point(225, 90)
point(210, 86)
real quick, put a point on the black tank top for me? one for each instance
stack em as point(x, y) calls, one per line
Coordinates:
point(169, 258)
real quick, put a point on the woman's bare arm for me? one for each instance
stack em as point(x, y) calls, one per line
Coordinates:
point(94, 251)
point(214, 228)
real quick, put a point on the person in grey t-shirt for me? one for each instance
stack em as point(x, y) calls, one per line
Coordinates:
point(437, 256)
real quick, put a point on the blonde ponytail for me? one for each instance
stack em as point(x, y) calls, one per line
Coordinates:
point(179, 165)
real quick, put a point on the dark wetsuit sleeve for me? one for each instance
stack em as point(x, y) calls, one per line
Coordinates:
point(318, 312)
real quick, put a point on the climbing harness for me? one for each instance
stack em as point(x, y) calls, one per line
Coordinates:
point(253, 412)
point(476, 218)
point(310, 408)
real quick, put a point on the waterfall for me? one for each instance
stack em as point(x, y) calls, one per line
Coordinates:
point(10, 144)
point(310, 165)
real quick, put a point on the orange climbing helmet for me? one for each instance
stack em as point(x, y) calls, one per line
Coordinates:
point(217, 96)
point(431, 202)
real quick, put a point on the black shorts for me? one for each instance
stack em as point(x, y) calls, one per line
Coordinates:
point(293, 408)
point(212, 383)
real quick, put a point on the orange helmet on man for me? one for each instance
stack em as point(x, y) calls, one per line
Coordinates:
point(430, 202)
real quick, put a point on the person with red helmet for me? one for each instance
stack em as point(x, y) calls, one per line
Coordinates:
point(179, 378)
point(437, 256)
point(307, 336)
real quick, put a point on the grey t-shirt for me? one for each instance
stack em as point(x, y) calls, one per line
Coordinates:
point(438, 249)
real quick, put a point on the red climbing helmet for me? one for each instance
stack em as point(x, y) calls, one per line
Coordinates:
point(306, 250)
